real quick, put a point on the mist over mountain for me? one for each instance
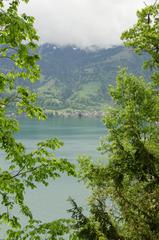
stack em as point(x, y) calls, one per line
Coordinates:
point(82, 22)
point(79, 79)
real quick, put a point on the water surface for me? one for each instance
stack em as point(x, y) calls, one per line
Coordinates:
point(80, 136)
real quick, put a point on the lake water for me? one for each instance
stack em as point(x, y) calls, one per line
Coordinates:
point(80, 136)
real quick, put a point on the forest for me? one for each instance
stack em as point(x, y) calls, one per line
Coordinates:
point(123, 202)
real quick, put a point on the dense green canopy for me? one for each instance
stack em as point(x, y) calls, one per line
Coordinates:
point(125, 191)
point(18, 42)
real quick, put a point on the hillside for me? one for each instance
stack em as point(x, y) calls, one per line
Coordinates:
point(78, 79)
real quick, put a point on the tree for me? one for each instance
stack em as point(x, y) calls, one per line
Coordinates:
point(18, 58)
point(127, 185)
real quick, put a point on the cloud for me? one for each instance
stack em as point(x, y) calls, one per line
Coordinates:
point(83, 22)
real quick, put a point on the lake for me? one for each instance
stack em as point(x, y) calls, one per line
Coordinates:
point(80, 136)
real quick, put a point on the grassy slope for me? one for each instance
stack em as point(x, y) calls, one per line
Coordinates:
point(79, 79)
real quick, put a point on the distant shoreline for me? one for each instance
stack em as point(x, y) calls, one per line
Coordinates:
point(65, 113)
point(73, 113)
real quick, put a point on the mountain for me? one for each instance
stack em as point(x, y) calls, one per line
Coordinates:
point(79, 79)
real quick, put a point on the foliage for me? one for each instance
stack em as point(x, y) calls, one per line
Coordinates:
point(98, 225)
point(144, 35)
point(36, 230)
point(22, 169)
point(127, 185)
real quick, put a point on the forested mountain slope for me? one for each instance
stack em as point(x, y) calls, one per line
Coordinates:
point(79, 79)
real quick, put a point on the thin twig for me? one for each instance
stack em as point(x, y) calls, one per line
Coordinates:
point(153, 4)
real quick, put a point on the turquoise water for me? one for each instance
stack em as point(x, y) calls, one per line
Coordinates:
point(80, 136)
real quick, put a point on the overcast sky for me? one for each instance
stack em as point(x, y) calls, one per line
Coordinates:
point(83, 22)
